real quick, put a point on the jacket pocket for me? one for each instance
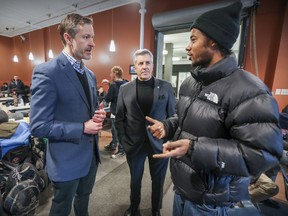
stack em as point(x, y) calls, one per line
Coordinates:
point(187, 182)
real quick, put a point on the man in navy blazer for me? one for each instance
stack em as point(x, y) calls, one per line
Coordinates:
point(64, 110)
point(144, 96)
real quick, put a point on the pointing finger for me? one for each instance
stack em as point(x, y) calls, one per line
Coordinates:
point(151, 119)
point(160, 156)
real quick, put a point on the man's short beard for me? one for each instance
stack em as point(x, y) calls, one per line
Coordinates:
point(202, 63)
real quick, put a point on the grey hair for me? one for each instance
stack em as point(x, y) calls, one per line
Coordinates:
point(142, 52)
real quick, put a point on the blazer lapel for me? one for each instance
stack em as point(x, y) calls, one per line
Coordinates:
point(92, 90)
point(72, 76)
point(156, 93)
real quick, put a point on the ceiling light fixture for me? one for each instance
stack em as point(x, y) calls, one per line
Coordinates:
point(112, 47)
point(15, 57)
point(31, 57)
point(50, 52)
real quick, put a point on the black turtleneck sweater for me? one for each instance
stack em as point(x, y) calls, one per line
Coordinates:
point(145, 95)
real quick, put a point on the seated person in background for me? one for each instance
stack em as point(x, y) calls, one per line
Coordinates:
point(4, 90)
point(101, 95)
point(4, 86)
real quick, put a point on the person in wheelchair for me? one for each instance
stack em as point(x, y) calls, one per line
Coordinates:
point(14, 139)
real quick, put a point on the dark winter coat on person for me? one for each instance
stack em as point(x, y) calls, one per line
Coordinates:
point(232, 119)
point(112, 94)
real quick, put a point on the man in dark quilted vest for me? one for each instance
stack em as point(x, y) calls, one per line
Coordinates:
point(226, 129)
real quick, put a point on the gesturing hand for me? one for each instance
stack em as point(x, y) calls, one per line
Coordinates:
point(157, 129)
point(174, 149)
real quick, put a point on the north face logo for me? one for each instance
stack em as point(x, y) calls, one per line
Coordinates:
point(212, 97)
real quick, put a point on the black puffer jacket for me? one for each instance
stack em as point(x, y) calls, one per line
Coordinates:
point(233, 119)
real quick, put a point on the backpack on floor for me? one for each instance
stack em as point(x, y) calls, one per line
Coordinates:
point(22, 198)
point(23, 172)
point(22, 189)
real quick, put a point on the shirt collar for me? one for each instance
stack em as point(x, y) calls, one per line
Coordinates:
point(78, 66)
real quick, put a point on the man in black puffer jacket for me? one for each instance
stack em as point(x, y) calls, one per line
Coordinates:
point(227, 126)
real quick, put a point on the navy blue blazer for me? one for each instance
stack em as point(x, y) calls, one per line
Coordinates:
point(59, 108)
point(130, 121)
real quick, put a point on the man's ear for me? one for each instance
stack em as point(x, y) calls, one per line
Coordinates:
point(67, 38)
point(213, 44)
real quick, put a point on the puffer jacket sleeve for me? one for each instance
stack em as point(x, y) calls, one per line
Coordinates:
point(170, 126)
point(255, 144)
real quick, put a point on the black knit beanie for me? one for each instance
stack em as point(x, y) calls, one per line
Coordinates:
point(221, 25)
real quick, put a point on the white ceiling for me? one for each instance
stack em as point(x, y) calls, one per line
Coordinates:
point(21, 16)
point(18, 17)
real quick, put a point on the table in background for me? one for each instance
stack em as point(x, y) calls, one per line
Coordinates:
point(4, 99)
point(19, 108)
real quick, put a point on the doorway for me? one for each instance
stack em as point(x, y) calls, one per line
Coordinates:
point(172, 33)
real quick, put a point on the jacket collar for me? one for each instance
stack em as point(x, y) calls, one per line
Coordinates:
point(219, 70)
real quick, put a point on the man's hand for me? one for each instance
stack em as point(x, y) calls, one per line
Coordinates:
point(91, 127)
point(99, 116)
point(94, 125)
point(157, 129)
point(174, 149)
